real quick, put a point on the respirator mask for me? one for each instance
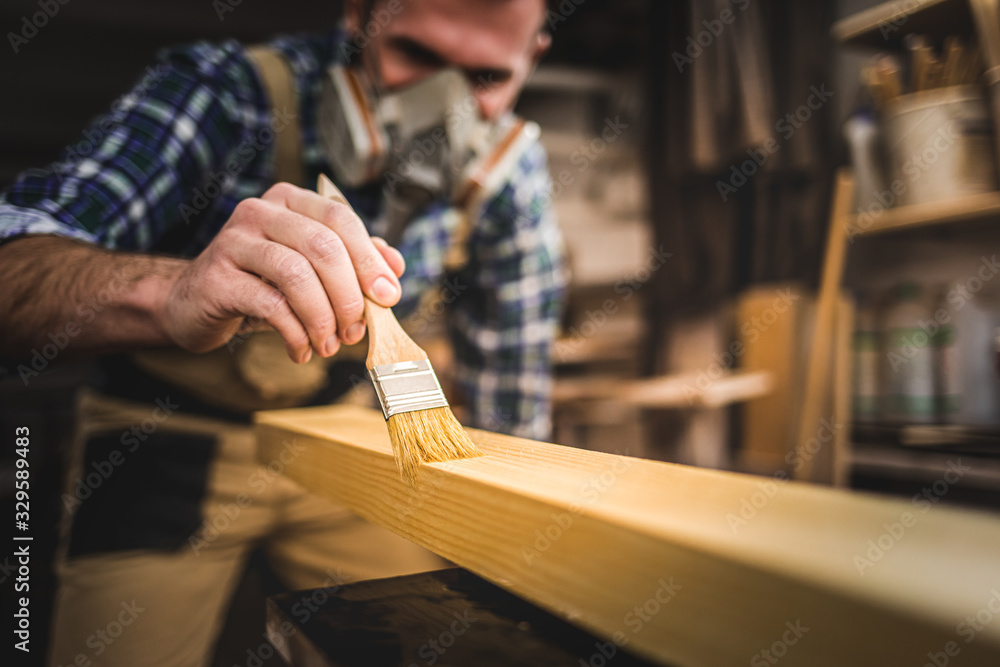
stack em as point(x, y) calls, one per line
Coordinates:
point(425, 142)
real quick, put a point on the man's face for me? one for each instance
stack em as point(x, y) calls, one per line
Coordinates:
point(495, 42)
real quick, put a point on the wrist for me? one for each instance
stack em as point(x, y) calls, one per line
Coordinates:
point(150, 297)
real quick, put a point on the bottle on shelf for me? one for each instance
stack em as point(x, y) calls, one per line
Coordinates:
point(970, 370)
point(865, 376)
point(908, 376)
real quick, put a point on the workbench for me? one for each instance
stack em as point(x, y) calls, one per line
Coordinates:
point(445, 617)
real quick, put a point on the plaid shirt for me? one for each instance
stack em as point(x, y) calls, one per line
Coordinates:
point(164, 169)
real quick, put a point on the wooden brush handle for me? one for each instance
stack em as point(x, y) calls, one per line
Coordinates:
point(387, 342)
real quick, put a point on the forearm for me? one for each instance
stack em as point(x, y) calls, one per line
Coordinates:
point(81, 298)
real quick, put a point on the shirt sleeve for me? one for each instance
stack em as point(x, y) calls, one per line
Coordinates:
point(504, 325)
point(132, 174)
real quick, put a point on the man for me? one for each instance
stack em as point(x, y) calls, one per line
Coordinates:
point(157, 549)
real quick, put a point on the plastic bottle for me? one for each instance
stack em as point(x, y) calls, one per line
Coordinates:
point(865, 389)
point(865, 145)
point(947, 363)
point(909, 357)
point(975, 307)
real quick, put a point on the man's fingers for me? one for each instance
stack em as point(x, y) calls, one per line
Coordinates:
point(254, 298)
point(393, 257)
point(377, 279)
point(327, 254)
point(296, 278)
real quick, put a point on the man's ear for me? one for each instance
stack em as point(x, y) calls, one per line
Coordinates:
point(542, 43)
point(352, 15)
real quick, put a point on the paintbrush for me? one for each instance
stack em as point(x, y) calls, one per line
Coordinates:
point(422, 428)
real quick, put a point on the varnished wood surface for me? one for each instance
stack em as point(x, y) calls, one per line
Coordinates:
point(597, 538)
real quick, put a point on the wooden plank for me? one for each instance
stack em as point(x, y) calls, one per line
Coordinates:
point(771, 332)
point(682, 565)
point(843, 366)
point(817, 391)
point(681, 391)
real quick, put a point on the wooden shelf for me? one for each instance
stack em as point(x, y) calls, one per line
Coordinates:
point(885, 25)
point(891, 461)
point(972, 207)
point(682, 391)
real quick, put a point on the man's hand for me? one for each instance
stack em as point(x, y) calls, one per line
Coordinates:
point(296, 260)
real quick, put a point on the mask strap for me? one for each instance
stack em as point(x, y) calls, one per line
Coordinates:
point(369, 55)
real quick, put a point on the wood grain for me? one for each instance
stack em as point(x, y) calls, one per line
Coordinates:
point(683, 565)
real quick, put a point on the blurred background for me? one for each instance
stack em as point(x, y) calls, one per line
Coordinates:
point(780, 218)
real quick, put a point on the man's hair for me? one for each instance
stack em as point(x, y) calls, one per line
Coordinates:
point(368, 9)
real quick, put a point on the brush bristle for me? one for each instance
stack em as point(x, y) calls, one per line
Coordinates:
point(425, 436)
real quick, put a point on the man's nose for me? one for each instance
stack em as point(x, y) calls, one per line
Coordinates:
point(486, 103)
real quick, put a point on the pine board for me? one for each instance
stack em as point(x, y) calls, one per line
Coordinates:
point(621, 531)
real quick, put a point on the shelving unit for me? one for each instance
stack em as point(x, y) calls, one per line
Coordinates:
point(970, 208)
point(884, 453)
point(885, 25)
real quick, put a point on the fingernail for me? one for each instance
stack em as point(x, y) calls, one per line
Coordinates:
point(354, 333)
point(332, 345)
point(384, 290)
point(308, 355)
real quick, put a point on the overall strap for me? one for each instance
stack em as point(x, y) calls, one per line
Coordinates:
point(278, 79)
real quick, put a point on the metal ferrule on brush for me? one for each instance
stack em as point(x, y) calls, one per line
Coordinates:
point(407, 386)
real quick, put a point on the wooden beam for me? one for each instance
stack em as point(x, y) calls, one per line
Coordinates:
point(681, 565)
point(818, 390)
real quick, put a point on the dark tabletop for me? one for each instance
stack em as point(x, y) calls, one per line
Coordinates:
point(446, 618)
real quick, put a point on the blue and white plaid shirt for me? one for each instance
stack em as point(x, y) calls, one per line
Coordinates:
point(165, 167)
